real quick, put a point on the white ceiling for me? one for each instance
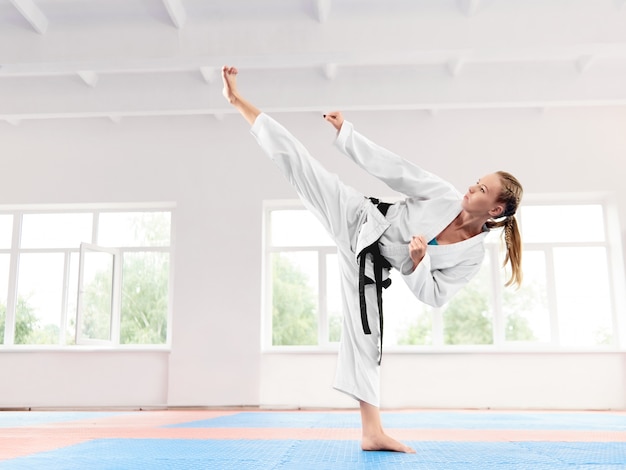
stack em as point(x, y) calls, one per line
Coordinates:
point(116, 58)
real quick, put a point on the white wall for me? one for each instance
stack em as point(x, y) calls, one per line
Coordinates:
point(83, 379)
point(218, 178)
point(457, 380)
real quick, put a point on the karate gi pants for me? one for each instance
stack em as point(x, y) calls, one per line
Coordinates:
point(342, 211)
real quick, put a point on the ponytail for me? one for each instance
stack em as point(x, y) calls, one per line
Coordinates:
point(513, 242)
point(511, 196)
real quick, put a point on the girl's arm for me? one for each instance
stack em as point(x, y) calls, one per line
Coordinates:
point(399, 174)
point(437, 287)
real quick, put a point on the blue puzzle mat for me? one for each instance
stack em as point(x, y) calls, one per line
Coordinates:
point(171, 454)
point(420, 420)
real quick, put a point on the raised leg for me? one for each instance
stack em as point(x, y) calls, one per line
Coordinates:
point(374, 438)
point(231, 93)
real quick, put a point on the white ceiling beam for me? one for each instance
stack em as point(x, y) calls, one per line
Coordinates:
point(177, 12)
point(89, 77)
point(32, 14)
point(615, 51)
point(330, 71)
point(13, 121)
point(322, 10)
point(455, 66)
point(584, 63)
point(219, 113)
point(209, 74)
point(469, 7)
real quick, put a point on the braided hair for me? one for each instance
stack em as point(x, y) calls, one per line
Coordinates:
point(510, 196)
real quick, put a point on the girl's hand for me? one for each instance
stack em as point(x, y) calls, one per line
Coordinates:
point(335, 118)
point(417, 250)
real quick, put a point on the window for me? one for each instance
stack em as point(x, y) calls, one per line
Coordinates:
point(86, 276)
point(304, 295)
point(565, 301)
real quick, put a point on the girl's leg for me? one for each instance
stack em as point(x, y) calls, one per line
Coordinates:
point(358, 372)
point(374, 438)
point(340, 209)
point(247, 110)
point(337, 206)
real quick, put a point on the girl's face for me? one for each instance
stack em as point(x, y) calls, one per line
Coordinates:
point(481, 198)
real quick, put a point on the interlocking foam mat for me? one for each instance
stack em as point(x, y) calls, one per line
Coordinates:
point(422, 420)
point(321, 455)
point(276, 440)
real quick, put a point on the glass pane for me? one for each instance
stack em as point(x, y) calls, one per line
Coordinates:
point(294, 298)
point(468, 317)
point(297, 228)
point(526, 312)
point(39, 291)
point(583, 296)
point(132, 229)
point(97, 300)
point(4, 283)
point(145, 298)
point(72, 300)
point(407, 320)
point(333, 299)
point(6, 230)
point(55, 230)
point(562, 223)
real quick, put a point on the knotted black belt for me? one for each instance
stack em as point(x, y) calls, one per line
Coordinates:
point(379, 263)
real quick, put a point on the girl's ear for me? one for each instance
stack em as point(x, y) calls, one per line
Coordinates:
point(497, 211)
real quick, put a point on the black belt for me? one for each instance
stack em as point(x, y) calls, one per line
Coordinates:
point(380, 263)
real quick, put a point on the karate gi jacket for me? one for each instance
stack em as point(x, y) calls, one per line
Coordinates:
point(431, 204)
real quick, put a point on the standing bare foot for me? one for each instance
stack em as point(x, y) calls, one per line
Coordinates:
point(383, 442)
point(229, 77)
point(374, 438)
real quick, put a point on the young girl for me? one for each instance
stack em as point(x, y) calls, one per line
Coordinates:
point(434, 238)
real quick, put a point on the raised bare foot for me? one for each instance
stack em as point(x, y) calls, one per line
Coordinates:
point(384, 442)
point(229, 77)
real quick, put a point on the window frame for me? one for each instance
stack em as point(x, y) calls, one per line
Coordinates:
point(18, 211)
point(615, 270)
point(322, 251)
point(116, 289)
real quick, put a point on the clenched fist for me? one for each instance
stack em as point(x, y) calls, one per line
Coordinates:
point(417, 249)
point(335, 118)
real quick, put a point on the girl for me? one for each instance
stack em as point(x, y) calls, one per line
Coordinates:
point(434, 237)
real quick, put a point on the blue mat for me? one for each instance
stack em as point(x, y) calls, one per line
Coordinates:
point(15, 419)
point(420, 420)
point(132, 454)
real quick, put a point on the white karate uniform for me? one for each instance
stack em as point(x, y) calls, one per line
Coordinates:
point(355, 223)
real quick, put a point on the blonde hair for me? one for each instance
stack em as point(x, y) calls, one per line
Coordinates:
point(510, 196)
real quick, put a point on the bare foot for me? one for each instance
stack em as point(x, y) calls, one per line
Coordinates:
point(384, 442)
point(230, 91)
point(229, 77)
